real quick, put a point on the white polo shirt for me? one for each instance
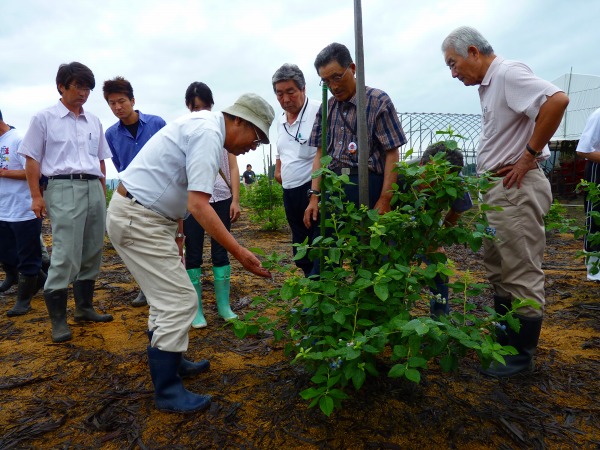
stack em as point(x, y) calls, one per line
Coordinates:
point(296, 156)
point(511, 97)
point(182, 156)
point(64, 143)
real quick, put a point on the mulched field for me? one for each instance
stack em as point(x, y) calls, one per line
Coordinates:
point(95, 391)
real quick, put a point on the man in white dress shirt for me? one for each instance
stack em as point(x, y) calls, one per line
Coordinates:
point(67, 145)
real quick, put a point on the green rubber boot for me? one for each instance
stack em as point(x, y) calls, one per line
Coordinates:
point(194, 274)
point(222, 276)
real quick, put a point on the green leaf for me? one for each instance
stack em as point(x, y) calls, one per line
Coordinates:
point(287, 291)
point(381, 290)
point(327, 308)
point(358, 379)
point(339, 317)
point(335, 254)
point(413, 375)
point(416, 361)
point(309, 393)
point(326, 405)
point(449, 362)
point(397, 371)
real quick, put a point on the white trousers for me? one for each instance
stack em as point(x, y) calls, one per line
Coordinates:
point(145, 240)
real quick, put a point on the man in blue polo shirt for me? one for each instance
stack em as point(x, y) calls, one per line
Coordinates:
point(127, 137)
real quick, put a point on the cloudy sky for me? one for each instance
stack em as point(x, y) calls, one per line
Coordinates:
point(235, 46)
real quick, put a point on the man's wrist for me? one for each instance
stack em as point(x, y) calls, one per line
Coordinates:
point(313, 192)
point(532, 152)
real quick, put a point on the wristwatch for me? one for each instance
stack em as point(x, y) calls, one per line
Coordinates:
point(312, 192)
point(532, 152)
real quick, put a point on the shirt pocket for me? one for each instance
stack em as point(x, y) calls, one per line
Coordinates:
point(93, 143)
point(306, 152)
point(489, 123)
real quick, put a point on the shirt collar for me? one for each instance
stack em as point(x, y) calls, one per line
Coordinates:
point(63, 111)
point(283, 117)
point(491, 71)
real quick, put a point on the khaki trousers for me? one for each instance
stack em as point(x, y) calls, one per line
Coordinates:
point(513, 260)
point(145, 240)
point(77, 211)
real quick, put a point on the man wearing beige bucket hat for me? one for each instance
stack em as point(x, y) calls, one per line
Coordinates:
point(173, 175)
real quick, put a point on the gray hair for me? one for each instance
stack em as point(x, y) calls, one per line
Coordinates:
point(463, 37)
point(289, 72)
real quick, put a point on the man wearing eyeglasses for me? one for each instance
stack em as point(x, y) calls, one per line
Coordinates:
point(385, 135)
point(294, 157)
point(67, 145)
point(174, 174)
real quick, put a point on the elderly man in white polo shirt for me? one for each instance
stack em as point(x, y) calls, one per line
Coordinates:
point(521, 112)
point(175, 173)
point(67, 144)
point(294, 157)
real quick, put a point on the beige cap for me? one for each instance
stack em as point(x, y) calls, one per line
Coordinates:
point(255, 110)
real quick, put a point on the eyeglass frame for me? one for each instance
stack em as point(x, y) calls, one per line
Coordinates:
point(335, 79)
point(259, 140)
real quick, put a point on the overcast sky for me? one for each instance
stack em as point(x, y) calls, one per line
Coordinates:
point(235, 46)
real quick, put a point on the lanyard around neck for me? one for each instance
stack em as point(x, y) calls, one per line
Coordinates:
point(299, 123)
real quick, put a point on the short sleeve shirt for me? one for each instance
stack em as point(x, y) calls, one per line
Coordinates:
point(383, 127)
point(64, 143)
point(293, 151)
point(511, 97)
point(183, 156)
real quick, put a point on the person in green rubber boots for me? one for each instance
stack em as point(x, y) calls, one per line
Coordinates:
point(225, 201)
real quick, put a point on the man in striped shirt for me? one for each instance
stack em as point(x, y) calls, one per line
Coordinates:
point(336, 68)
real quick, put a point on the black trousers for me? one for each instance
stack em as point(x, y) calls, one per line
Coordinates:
point(20, 245)
point(295, 202)
point(194, 239)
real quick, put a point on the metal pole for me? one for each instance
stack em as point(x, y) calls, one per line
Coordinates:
point(361, 113)
point(322, 205)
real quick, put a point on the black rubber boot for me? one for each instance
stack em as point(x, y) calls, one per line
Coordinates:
point(187, 368)
point(140, 300)
point(12, 276)
point(83, 291)
point(525, 341)
point(169, 393)
point(56, 302)
point(502, 305)
point(28, 287)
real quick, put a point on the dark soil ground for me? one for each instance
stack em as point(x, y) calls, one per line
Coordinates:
point(95, 391)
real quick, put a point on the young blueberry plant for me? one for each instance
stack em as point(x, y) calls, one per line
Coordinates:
point(367, 311)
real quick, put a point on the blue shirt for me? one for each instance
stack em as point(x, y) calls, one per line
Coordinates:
point(124, 146)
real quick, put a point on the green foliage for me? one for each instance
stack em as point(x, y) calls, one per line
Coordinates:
point(265, 197)
point(557, 219)
point(369, 303)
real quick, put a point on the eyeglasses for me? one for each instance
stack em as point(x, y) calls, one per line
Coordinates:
point(334, 79)
point(85, 90)
point(258, 140)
